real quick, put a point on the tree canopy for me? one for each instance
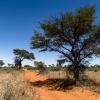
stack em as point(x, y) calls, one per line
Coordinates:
point(60, 62)
point(75, 35)
point(1, 63)
point(20, 55)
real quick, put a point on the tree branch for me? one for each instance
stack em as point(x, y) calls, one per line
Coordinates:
point(65, 54)
point(86, 56)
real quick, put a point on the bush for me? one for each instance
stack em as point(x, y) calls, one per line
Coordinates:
point(40, 66)
point(95, 69)
point(54, 69)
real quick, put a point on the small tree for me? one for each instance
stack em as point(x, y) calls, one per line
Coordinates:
point(20, 55)
point(27, 66)
point(1, 63)
point(17, 62)
point(74, 35)
point(10, 65)
point(60, 62)
point(97, 65)
point(40, 65)
point(53, 65)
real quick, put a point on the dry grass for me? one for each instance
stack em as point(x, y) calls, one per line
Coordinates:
point(13, 86)
point(91, 82)
point(56, 74)
point(95, 76)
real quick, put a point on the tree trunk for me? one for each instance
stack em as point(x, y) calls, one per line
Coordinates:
point(20, 65)
point(76, 75)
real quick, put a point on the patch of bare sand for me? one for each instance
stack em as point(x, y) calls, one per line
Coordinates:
point(47, 94)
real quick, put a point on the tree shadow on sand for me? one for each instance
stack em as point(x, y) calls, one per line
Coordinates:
point(55, 84)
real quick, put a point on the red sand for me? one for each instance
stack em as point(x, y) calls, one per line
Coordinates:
point(45, 94)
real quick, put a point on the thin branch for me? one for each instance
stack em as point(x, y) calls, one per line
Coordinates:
point(65, 54)
point(86, 56)
point(65, 48)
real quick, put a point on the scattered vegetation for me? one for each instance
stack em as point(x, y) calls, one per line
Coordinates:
point(40, 66)
point(13, 86)
point(93, 68)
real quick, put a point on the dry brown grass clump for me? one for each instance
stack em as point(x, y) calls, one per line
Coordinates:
point(56, 75)
point(95, 76)
point(13, 86)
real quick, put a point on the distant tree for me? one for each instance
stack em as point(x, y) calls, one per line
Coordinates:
point(20, 55)
point(96, 65)
point(27, 66)
point(60, 62)
point(50, 65)
point(35, 63)
point(17, 62)
point(9, 65)
point(40, 65)
point(1, 63)
point(75, 35)
point(53, 65)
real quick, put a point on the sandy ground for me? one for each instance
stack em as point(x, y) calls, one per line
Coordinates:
point(47, 94)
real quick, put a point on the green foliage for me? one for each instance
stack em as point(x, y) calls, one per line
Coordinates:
point(17, 62)
point(20, 55)
point(95, 69)
point(40, 66)
point(29, 67)
point(10, 65)
point(1, 63)
point(81, 68)
point(55, 68)
point(74, 35)
point(23, 54)
point(97, 66)
point(60, 62)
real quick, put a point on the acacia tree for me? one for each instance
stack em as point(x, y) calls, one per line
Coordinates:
point(1, 63)
point(60, 62)
point(74, 35)
point(20, 55)
point(10, 65)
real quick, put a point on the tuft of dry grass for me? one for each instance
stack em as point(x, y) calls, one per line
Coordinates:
point(56, 75)
point(95, 76)
point(13, 86)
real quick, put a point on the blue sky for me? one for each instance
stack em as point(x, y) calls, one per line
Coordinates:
point(18, 19)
